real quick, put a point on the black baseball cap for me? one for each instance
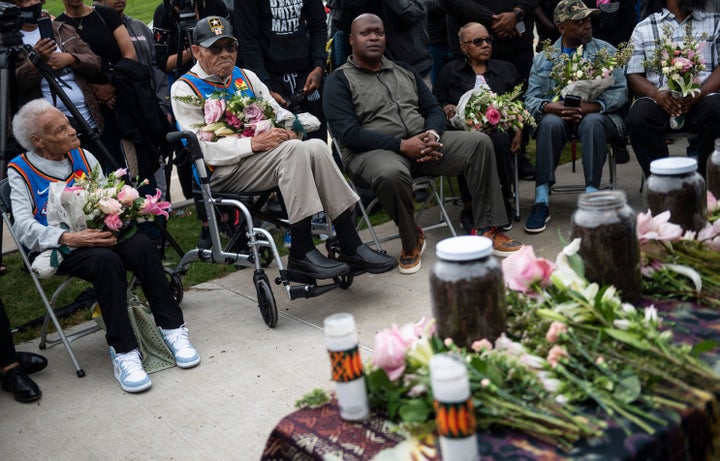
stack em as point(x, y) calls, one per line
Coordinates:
point(211, 29)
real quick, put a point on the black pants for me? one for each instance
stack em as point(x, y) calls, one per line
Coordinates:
point(106, 269)
point(7, 348)
point(647, 124)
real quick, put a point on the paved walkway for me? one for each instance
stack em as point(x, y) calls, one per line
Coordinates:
point(250, 375)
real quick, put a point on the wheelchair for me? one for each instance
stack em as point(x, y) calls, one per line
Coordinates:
point(251, 245)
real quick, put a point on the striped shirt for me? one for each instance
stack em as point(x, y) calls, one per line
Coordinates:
point(705, 28)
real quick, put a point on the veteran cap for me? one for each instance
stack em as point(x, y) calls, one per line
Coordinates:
point(572, 9)
point(211, 29)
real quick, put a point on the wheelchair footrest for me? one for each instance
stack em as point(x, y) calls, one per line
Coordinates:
point(310, 290)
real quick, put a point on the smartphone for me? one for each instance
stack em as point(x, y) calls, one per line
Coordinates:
point(46, 29)
point(572, 101)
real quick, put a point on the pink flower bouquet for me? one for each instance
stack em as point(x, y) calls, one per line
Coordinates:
point(483, 110)
point(233, 115)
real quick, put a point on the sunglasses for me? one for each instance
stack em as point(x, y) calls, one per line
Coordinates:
point(480, 40)
point(231, 47)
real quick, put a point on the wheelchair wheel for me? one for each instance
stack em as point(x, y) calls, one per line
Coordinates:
point(266, 300)
point(176, 286)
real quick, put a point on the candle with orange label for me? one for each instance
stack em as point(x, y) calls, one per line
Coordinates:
point(454, 412)
point(341, 339)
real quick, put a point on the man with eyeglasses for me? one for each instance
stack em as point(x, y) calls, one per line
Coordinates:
point(595, 122)
point(304, 171)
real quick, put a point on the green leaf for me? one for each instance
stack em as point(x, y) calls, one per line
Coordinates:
point(314, 399)
point(551, 315)
point(415, 411)
point(628, 389)
point(628, 338)
point(702, 347)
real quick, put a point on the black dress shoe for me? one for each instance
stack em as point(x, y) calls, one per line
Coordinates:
point(317, 266)
point(23, 388)
point(368, 260)
point(30, 362)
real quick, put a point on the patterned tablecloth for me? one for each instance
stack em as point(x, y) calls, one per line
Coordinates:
point(320, 434)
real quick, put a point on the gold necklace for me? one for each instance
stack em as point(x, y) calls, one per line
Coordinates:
point(78, 25)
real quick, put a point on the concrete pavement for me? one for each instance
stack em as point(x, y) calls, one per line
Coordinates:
point(250, 375)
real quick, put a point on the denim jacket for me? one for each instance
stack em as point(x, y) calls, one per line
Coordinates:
point(541, 85)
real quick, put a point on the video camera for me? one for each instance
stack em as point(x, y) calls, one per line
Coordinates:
point(10, 23)
point(185, 10)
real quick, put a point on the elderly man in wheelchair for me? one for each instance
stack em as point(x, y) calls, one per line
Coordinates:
point(54, 154)
point(304, 171)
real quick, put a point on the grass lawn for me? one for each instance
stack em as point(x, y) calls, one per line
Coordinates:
point(138, 9)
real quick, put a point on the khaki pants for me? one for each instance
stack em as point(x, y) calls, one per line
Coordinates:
point(304, 171)
point(390, 176)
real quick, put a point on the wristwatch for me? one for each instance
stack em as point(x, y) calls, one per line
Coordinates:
point(519, 14)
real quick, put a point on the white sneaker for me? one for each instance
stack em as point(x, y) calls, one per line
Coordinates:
point(129, 371)
point(177, 340)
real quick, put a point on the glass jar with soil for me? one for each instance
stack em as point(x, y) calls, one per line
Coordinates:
point(609, 247)
point(675, 185)
point(467, 289)
point(713, 171)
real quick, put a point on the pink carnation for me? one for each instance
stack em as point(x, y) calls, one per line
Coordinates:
point(248, 131)
point(232, 120)
point(482, 345)
point(555, 354)
point(556, 328)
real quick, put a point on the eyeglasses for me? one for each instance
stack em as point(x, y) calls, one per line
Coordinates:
point(231, 47)
point(480, 40)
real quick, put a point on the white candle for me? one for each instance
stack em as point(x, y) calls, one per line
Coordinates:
point(341, 339)
point(454, 413)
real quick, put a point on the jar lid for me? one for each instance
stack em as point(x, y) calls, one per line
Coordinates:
point(340, 324)
point(464, 248)
point(673, 165)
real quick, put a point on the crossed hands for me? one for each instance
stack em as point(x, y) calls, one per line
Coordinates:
point(88, 238)
point(421, 147)
point(572, 114)
point(673, 106)
point(503, 25)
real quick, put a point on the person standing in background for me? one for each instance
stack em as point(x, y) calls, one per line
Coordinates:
point(283, 42)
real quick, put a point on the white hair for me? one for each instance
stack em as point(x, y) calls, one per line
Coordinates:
point(25, 123)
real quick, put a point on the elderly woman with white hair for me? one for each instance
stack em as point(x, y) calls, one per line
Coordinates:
point(54, 154)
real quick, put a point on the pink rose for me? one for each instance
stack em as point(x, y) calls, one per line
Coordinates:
point(127, 195)
point(154, 206)
point(657, 228)
point(522, 270)
point(214, 110)
point(232, 120)
point(113, 222)
point(555, 354)
point(390, 350)
point(109, 206)
point(556, 328)
point(253, 113)
point(492, 115)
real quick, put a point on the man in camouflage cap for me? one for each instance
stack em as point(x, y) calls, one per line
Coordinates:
point(595, 122)
point(572, 10)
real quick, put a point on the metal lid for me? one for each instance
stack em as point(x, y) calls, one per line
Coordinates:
point(464, 248)
point(673, 165)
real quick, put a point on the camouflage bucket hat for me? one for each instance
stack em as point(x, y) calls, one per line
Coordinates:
point(572, 9)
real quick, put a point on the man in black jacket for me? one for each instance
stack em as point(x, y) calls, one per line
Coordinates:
point(283, 42)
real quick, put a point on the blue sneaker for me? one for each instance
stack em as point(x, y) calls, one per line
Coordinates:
point(129, 372)
point(177, 340)
point(539, 217)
